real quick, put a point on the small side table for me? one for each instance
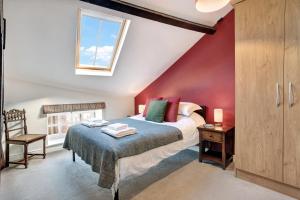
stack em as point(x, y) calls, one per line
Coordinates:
point(224, 136)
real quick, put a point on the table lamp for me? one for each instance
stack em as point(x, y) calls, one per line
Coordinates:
point(218, 116)
point(141, 108)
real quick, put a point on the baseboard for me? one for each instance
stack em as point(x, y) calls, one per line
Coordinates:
point(273, 185)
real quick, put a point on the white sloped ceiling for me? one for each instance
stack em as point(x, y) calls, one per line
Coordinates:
point(41, 39)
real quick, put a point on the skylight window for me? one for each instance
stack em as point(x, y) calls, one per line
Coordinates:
point(100, 38)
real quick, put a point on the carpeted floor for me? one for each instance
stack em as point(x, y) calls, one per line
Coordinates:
point(180, 177)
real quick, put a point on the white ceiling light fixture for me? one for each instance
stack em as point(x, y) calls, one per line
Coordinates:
point(206, 6)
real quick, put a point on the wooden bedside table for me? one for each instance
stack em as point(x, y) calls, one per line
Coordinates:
point(224, 137)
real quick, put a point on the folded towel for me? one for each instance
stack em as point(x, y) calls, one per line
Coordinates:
point(97, 120)
point(120, 133)
point(117, 126)
point(96, 123)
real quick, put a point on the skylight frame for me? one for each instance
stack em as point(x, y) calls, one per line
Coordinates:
point(100, 70)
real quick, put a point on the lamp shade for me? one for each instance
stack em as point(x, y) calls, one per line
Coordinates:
point(141, 108)
point(218, 115)
point(210, 5)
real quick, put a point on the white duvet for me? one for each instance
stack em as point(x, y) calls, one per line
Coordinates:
point(139, 164)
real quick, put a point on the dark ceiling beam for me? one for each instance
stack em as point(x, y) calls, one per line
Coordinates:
point(139, 11)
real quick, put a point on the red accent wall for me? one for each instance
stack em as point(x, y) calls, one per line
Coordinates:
point(203, 75)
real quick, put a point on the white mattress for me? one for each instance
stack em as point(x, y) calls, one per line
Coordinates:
point(139, 164)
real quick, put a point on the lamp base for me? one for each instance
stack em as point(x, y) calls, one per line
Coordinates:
point(218, 124)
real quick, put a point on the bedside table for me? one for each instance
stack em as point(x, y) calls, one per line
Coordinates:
point(219, 136)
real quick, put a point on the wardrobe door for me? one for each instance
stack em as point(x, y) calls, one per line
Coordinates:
point(259, 87)
point(2, 38)
point(292, 94)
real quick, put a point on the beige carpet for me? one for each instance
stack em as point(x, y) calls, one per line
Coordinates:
point(180, 177)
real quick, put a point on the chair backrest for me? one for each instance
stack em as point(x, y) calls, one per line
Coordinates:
point(14, 116)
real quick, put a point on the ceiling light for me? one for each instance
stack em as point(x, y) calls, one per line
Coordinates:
point(210, 5)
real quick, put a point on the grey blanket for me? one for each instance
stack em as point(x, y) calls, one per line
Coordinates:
point(102, 151)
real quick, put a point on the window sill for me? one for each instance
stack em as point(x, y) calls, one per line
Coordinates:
point(93, 72)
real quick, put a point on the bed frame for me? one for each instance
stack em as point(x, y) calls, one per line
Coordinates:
point(201, 112)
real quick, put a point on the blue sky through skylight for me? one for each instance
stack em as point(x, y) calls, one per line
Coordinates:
point(98, 39)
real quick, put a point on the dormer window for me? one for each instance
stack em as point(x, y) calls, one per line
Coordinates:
point(100, 38)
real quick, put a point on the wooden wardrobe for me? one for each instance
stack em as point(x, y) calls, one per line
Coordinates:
point(267, 36)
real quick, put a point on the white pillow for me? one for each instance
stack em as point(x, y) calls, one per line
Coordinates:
point(187, 108)
point(198, 119)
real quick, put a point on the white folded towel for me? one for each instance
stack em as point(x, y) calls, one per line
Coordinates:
point(97, 120)
point(118, 126)
point(120, 133)
point(95, 123)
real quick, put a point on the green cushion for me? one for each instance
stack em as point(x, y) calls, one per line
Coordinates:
point(156, 111)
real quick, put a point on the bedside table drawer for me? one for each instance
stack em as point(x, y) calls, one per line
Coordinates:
point(212, 136)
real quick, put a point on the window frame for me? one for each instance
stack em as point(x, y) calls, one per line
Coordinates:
point(100, 70)
point(52, 138)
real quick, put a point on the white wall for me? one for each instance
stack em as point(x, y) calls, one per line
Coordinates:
point(30, 96)
point(39, 64)
point(20, 93)
point(41, 41)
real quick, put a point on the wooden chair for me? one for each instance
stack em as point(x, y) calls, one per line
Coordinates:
point(17, 117)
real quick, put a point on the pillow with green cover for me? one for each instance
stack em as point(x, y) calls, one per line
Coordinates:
point(156, 111)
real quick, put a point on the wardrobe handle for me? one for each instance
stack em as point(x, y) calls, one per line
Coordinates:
point(291, 95)
point(4, 34)
point(277, 95)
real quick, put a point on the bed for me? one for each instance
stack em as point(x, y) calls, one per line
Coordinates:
point(134, 159)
